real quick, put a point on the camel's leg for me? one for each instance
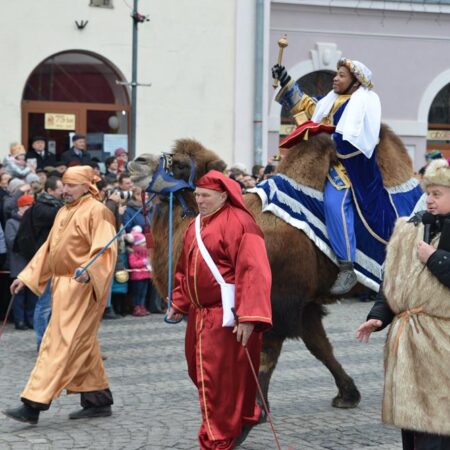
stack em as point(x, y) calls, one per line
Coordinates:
point(316, 340)
point(271, 349)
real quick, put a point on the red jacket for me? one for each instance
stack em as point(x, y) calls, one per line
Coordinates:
point(138, 259)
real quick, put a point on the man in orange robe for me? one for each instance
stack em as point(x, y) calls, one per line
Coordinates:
point(216, 357)
point(69, 357)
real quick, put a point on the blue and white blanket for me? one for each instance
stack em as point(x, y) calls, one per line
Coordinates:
point(303, 208)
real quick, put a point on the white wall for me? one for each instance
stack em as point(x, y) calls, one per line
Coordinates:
point(187, 52)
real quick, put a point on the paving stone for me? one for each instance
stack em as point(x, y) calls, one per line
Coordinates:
point(156, 406)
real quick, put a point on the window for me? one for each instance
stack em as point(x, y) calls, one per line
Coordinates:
point(438, 136)
point(75, 76)
point(101, 3)
point(315, 84)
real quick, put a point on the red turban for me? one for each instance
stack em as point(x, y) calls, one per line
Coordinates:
point(217, 181)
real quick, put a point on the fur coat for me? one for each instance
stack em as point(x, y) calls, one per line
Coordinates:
point(417, 351)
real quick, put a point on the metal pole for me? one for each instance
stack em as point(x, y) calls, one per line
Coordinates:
point(134, 62)
point(259, 76)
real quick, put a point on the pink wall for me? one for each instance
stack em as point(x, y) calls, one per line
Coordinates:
point(405, 52)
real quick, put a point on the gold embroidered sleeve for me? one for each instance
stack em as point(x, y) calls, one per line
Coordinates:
point(306, 105)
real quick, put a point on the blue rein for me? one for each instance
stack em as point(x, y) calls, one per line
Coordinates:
point(169, 269)
point(162, 183)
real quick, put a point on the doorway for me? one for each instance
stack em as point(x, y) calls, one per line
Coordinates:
point(76, 92)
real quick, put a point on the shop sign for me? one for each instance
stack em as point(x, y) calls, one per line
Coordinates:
point(438, 135)
point(59, 121)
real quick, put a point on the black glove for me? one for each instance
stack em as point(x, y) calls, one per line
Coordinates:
point(280, 73)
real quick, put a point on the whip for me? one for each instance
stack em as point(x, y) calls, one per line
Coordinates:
point(255, 376)
point(13, 296)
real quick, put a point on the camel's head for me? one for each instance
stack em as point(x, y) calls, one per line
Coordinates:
point(142, 169)
point(188, 161)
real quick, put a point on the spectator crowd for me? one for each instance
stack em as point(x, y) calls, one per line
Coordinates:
point(31, 193)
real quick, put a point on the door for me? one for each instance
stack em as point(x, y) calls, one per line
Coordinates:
point(77, 91)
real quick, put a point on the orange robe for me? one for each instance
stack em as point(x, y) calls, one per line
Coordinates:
point(69, 356)
point(217, 363)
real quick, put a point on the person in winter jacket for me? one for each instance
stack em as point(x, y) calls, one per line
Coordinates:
point(140, 274)
point(15, 162)
point(25, 301)
point(414, 299)
point(33, 232)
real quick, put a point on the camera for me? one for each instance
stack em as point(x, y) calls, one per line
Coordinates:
point(124, 195)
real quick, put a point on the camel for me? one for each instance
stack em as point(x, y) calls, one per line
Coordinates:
point(302, 274)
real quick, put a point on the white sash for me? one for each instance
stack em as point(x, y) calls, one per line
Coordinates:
point(226, 289)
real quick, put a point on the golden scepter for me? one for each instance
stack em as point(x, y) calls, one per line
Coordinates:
point(282, 44)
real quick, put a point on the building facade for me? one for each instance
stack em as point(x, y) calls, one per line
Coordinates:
point(63, 61)
point(403, 43)
point(67, 68)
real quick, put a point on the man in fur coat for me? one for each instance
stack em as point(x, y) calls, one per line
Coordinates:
point(415, 298)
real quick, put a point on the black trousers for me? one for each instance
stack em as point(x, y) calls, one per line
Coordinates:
point(91, 399)
point(415, 440)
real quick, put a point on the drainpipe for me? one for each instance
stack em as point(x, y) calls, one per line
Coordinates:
point(134, 65)
point(259, 78)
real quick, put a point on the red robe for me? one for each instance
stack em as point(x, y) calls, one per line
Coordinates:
point(217, 363)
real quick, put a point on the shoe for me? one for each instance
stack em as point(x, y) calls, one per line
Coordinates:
point(88, 413)
point(345, 280)
point(137, 311)
point(21, 326)
point(109, 314)
point(23, 413)
point(145, 311)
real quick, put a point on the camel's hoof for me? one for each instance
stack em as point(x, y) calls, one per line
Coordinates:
point(351, 401)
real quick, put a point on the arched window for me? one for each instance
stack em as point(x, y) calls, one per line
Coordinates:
point(315, 84)
point(439, 122)
point(76, 91)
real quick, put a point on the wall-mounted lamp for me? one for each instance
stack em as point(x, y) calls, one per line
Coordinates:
point(81, 24)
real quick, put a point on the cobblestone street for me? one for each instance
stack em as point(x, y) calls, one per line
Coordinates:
point(156, 405)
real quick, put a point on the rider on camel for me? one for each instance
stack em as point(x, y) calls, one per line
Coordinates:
point(354, 184)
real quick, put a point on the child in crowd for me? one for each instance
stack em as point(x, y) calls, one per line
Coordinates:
point(140, 271)
point(15, 162)
point(25, 300)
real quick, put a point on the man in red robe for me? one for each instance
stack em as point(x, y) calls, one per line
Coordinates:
point(215, 354)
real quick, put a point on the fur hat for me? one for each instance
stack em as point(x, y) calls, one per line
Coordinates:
point(437, 172)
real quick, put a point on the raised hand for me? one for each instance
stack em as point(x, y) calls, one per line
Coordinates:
point(280, 73)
